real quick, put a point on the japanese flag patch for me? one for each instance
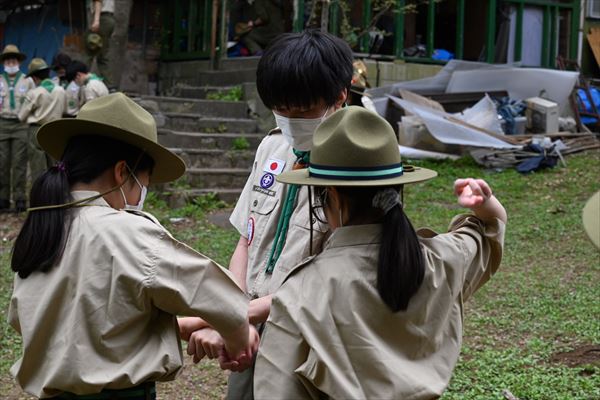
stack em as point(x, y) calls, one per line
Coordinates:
point(274, 166)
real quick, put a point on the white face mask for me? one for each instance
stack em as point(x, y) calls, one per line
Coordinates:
point(299, 131)
point(12, 70)
point(140, 204)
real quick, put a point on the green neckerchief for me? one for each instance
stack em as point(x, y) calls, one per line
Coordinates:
point(286, 215)
point(48, 85)
point(11, 88)
point(93, 77)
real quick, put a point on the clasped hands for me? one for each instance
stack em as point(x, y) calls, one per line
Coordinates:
point(207, 342)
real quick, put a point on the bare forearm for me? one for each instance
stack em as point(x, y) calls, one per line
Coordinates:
point(490, 210)
point(259, 309)
point(238, 265)
point(97, 10)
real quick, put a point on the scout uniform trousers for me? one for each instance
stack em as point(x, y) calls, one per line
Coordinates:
point(107, 26)
point(38, 161)
point(13, 159)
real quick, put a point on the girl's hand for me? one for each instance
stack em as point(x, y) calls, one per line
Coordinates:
point(205, 342)
point(472, 193)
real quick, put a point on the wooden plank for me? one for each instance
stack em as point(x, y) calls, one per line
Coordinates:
point(594, 39)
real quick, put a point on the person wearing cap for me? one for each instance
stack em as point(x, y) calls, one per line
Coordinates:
point(102, 24)
point(98, 281)
point(13, 133)
point(379, 312)
point(90, 85)
point(44, 103)
point(303, 77)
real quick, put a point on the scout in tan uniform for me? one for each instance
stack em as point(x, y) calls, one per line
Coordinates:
point(98, 282)
point(44, 103)
point(303, 77)
point(91, 85)
point(13, 133)
point(378, 313)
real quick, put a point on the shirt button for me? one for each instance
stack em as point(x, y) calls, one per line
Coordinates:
point(255, 203)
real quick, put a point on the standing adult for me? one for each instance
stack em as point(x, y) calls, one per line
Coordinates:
point(102, 23)
point(44, 103)
point(13, 133)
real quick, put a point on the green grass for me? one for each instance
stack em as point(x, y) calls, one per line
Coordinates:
point(233, 94)
point(544, 299)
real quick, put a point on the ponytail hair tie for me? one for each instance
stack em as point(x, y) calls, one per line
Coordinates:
point(386, 199)
point(61, 166)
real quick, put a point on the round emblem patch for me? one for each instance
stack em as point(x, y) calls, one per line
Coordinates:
point(250, 230)
point(267, 181)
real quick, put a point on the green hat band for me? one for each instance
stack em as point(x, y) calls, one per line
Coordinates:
point(355, 173)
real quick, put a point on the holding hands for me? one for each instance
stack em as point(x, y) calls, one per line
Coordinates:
point(205, 341)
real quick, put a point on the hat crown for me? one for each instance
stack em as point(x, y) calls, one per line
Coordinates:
point(119, 111)
point(354, 137)
point(10, 49)
point(37, 64)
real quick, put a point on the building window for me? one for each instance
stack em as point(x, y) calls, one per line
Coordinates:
point(593, 10)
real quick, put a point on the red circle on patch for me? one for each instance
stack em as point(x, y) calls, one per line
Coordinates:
point(273, 166)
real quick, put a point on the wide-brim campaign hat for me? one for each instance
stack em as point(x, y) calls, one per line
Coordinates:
point(12, 51)
point(355, 147)
point(93, 42)
point(115, 116)
point(591, 218)
point(37, 65)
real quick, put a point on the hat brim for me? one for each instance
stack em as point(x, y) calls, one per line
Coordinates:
point(301, 177)
point(37, 70)
point(54, 136)
point(591, 218)
point(18, 56)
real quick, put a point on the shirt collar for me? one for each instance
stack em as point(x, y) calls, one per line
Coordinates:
point(84, 194)
point(354, 235)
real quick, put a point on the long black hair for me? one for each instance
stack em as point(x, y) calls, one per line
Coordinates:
point(400, 269)
point(44, 233)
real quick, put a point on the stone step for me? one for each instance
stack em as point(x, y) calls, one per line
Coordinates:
point(191, 122)
point(180, 197)
point(213, 78)
point(205, 108)
point(210, 178)
point(222, 141)
point(197, 92)
point(215, 158)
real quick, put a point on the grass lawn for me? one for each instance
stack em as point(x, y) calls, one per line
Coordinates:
point(534, 329)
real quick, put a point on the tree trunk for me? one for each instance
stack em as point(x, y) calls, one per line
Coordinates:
point(119, 38)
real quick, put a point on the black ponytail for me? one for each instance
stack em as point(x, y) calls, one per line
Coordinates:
point(400, 268)
point(43, 236)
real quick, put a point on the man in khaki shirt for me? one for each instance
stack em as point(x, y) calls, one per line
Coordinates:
point(13, 133)
point(90, 84)
point(302, 91)
point(45, 103)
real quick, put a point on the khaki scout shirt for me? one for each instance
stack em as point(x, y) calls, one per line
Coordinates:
point(20, 87)
point(104, 315)
point(329, 333)
point(257, 213)
point(93, 88)
point(41, 106)
point(72, 93)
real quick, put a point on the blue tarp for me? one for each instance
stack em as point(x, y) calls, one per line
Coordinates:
point(37, 33)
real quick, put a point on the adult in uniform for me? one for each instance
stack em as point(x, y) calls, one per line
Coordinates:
point(44, 103)
point(303, 78)
point(265, 24)
point(378, 313)
point(98, 282)
point(102, 23)
point(13, 133)
point(90, 85)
